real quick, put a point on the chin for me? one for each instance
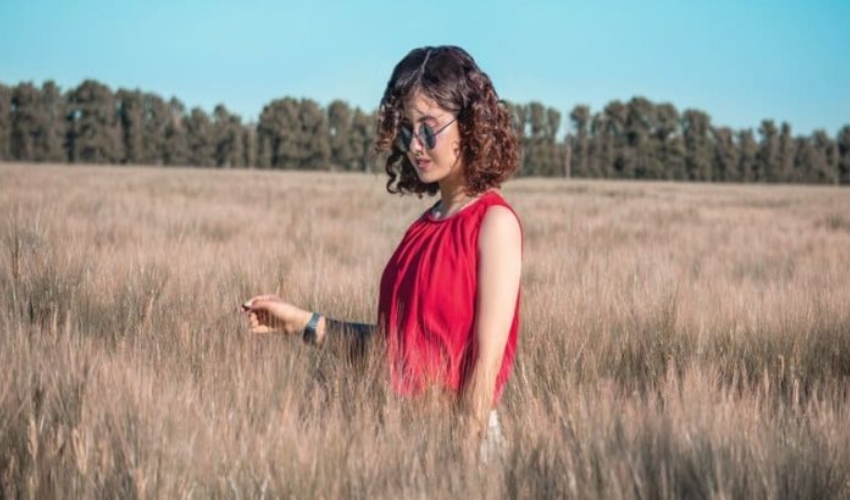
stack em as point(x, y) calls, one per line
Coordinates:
point(426, 177)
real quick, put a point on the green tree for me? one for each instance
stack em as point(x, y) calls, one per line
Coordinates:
point(51, 146)
point(339, 128)
point(249, 145)
point(556, 153)
point(237, 141)
point(698, 154)
point(638, 139)
point(602, 150)
point(542, 154)
point(825, 158)
point(314, 147)
point(768, 155)
point(265, 144)
point(670, 145)
point(843, 150)
point(580, 143)
point(293, 135)
point(228, 138)
point(748, 157)
point(93, 130)
point(28, 123)
point(200, 138)
point(157, 116)
point(361, 138)
point(640, 151)
point(131, 117)
point(803, 159)
point(176, 138)
point(5, 122)
point(520, 122)
point(786, 154)
point(277, 133)
point(726, 155)
point(616, 116)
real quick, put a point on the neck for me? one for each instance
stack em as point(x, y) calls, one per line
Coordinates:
point(452, 199)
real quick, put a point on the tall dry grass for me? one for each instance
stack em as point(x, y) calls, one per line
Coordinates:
point(678, 341)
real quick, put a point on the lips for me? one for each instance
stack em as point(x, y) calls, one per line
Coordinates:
point(423, 164)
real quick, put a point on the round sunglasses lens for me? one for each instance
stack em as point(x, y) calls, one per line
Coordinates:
point(429, 138)
point(403, 139)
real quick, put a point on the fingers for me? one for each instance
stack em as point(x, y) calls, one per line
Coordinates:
point(260, 319)
point(263, 313)
point(255, 302)
point(260, 326)
point(260, 322)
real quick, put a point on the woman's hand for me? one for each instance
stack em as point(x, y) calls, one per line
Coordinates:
point(271, 314)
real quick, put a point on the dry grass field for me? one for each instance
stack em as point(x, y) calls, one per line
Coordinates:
point(677, 341)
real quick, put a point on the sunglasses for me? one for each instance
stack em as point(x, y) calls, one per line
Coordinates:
point(427, 136)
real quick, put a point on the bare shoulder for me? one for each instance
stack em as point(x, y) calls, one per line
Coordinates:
point(500, 226)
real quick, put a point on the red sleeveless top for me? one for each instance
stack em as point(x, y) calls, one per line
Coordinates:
point(427, 302)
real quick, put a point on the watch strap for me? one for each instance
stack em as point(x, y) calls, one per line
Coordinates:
point(309, 334)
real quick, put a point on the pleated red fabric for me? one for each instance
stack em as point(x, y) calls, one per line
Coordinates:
point(428, 296)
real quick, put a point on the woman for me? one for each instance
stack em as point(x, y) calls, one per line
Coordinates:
point(449, 295)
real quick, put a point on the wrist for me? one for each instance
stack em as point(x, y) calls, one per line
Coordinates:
point(295, 325)
point(310, 331)
point(321, 328)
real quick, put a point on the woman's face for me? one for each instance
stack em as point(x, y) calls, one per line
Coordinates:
point(442, 163)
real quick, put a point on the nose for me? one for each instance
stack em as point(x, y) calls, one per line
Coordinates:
point(416, 144)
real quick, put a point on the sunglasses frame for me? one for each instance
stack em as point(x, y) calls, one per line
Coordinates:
point(428, 141)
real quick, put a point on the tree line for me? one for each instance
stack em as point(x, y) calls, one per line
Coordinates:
point(638, 139)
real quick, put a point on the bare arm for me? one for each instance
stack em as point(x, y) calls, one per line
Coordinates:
point(271, 314)
point(500, 267)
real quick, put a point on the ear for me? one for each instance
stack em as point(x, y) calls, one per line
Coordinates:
point(457, 151)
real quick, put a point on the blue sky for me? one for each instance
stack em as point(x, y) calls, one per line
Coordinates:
point(740, 61)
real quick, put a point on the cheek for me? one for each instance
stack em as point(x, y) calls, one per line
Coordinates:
point(451, 152)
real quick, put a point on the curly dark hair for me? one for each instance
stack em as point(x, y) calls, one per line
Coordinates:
point(449, 76)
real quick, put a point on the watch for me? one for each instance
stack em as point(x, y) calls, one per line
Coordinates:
point(309, 335)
